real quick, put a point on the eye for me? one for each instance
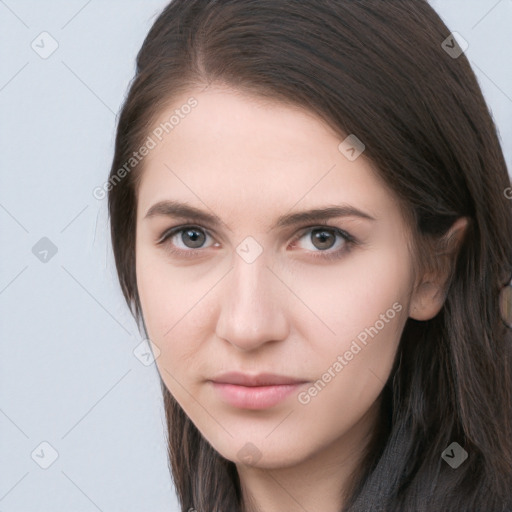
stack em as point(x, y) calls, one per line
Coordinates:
point(323, 239)
point(183, 240)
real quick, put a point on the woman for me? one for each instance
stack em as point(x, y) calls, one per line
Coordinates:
point(309, 219)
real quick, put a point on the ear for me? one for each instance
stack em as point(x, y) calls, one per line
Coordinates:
point(430, 290)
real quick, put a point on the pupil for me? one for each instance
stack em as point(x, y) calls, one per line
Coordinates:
point(320, 236)
point(194, 235)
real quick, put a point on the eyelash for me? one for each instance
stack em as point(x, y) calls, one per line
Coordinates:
point(349, 240)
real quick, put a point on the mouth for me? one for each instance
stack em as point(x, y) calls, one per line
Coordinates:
point(255, 392)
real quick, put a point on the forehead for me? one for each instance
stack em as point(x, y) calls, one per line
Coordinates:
point(244, 154)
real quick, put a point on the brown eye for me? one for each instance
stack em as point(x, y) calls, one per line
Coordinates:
point(323, 238)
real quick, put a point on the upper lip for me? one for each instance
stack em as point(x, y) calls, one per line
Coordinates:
point(260, 379)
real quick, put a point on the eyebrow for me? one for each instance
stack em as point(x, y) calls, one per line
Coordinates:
point(182, 210)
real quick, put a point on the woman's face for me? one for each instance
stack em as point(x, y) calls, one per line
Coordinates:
point(254, 286)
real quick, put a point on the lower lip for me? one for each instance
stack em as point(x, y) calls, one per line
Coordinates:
point(255, 397)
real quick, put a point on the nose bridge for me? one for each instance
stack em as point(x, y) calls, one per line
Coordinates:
point(252, 305)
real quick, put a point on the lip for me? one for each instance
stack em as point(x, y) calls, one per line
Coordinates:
point(260, 379)
point(260, 391)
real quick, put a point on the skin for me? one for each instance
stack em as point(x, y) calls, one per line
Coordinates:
point(250, 161)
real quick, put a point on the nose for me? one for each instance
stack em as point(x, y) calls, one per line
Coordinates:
point(253, 306)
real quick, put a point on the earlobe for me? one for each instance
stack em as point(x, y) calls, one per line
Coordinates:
point(429, 296)
point(427, 301)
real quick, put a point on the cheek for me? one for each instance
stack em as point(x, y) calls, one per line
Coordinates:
point(371, 287)
point(175, 304)
point(162, 290)
point(363, 311)
point(159, 293)
point(351, 373)
point(165, 301)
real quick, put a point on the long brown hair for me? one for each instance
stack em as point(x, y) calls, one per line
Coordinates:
point(378, 69)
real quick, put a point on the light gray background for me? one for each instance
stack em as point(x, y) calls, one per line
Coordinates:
point(68, 375)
